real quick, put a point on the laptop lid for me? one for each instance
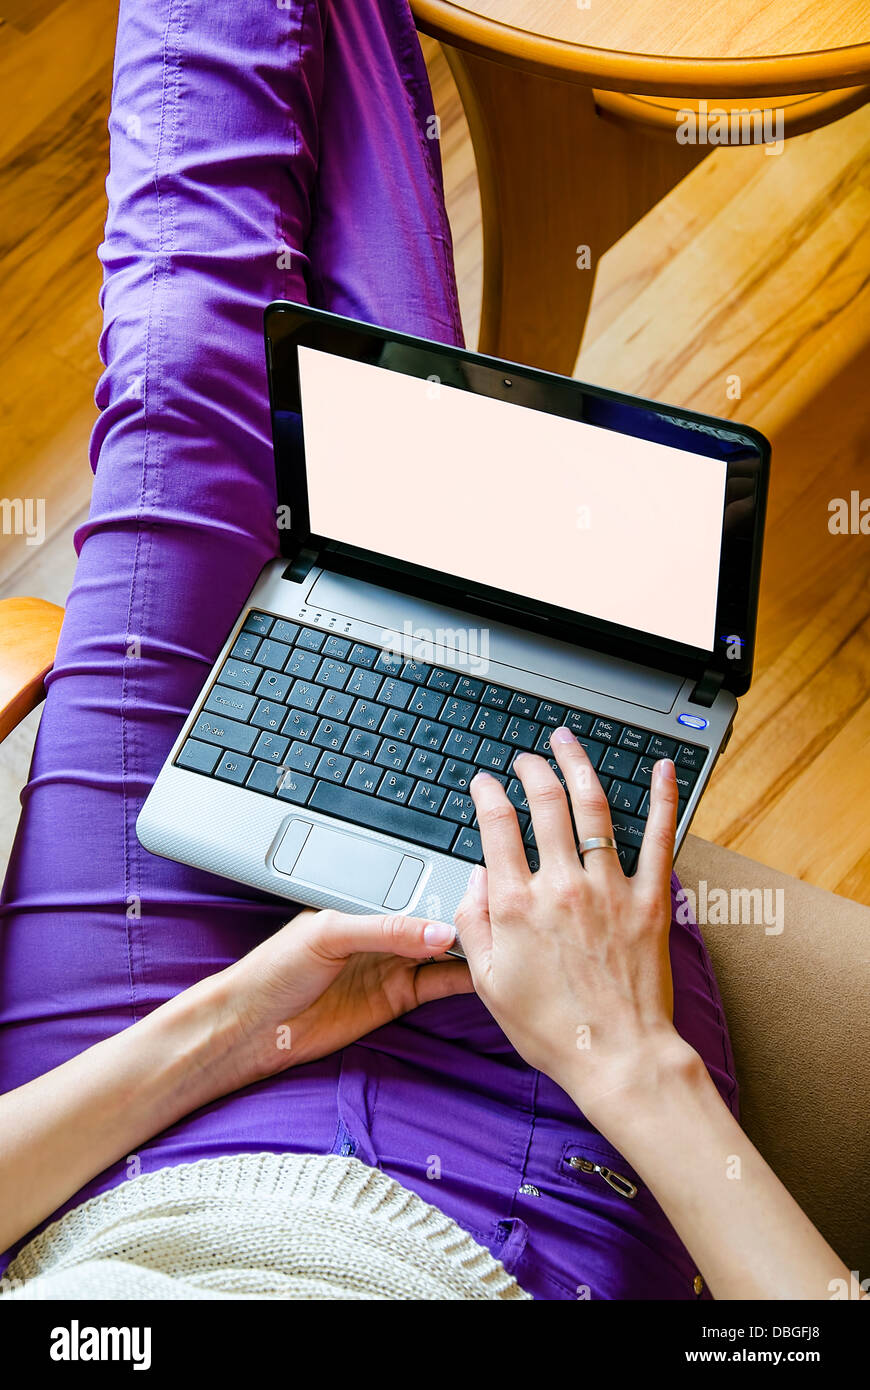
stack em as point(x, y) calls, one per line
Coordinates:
point(602, 519)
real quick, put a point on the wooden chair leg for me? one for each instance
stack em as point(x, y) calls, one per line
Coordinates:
point(554, 179)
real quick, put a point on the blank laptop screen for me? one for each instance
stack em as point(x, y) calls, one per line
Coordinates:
point(600, 523)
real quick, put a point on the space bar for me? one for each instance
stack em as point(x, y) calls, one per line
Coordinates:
point(382, 815)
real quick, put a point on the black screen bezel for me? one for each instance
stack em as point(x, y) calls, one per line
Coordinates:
point(288, 325)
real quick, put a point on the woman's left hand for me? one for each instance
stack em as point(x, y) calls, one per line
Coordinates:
point(323, 981)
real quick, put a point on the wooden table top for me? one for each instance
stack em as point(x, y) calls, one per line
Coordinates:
point(722, 47)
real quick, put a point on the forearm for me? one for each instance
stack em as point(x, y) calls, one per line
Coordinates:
point(746, 1233)
point(61, 1129)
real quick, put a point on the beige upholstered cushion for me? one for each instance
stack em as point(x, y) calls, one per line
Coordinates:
point(796, 1004)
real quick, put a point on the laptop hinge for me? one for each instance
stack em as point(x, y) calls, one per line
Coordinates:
point(302, 565)
point(707, 688)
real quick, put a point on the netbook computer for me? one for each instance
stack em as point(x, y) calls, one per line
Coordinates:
point(471, 553)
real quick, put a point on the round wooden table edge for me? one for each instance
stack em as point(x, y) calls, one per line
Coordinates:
point(644, 74)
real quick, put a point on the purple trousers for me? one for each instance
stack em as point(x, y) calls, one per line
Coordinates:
point(276, 149)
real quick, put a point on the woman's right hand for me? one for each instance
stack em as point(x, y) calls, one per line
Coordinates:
point(573, 960)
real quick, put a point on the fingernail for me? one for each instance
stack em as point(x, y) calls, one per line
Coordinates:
point(562, 735)
point(438, 934)
point(475, 879)
point(665, 770)
point(482, 773)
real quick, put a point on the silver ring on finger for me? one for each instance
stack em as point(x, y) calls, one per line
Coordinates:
point(596, 842)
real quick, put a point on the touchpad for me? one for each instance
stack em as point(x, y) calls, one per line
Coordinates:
point(349, 865)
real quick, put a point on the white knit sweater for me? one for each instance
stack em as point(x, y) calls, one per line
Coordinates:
point(293, 1226)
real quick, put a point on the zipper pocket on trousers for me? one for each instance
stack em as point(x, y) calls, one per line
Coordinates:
point(621, 1184)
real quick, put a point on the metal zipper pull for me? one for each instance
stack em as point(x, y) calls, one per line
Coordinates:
point(617, 1181)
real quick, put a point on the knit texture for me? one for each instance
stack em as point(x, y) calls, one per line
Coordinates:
point(293, 1226)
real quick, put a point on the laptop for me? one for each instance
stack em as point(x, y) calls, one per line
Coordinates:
point(469, 553)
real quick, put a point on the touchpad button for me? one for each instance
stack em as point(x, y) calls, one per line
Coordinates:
point(340, 862)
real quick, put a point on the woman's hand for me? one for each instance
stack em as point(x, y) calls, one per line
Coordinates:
point(321, 982)
point(573, 960)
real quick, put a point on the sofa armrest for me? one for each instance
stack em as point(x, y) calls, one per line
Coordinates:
point(29, 629)
point(794, 994)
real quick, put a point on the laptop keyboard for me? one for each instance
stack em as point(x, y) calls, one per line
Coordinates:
point(360, 733)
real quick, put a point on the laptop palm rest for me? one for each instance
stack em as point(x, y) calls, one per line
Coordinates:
point(348, 865)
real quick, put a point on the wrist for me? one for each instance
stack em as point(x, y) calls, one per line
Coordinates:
point(186, 1045)
point(633, 1090)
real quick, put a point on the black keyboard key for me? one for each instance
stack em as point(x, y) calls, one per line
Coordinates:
point(271, 747)
point(364, 777)
point(398, 723)
point(362, 744)
point(606, 730)
point(625, 796)
point(272, 653)
point(489, 722)
point(363, 683)
point(627, 858)
point(578, 722)
point(628, 830)
point(330, 734)
point(245, 646)
point(642, 774)
point(257, 622)
point(425, 764)
point(274, 685)
point(332, 767)
point(241, 675)
point(633, 739)
point(459, 807)
point(394, 692)
point(336, 704)
point(361, 655)
point(643, 808)
point(382, 814)
point(551, 714)
point(494, 756)
point(533, 859)
point(226, 733)
point(691, 757)
point(337, 647)
point(304, 695)
point(458, 713)
point(393, 754)
point(426, 703)
point(456, 774)
point(461, 743)
point(302, 757)
point(594, 750)
point(310, 640)
point(366, 714)
point(525, 705)
point(469, 688)
point(416, 671)
point(558, 771)
point(268, 714)
point(496, 697)
point(516, 794)
point(333, 673)
point(521, 733)
point(295, 787)
point(265, 777)
point(199, 757)
point(389, 663)
point(285, 632)
point(661, 747)
point(467, 845)
point(300, 723)
point(395, 787)
point(238, 704)
point(429, 734)
point(442, 680)
point(543, 743)
point(427, 797)
point(233, 767)
point(685, 782)
point(619, 762)
point(303, 665)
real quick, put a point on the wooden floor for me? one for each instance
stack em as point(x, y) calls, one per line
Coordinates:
point(753, 266)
